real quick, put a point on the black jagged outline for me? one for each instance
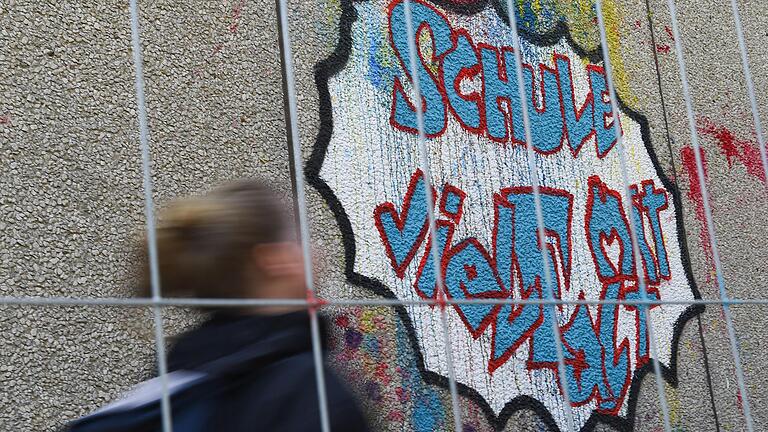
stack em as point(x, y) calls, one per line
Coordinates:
point(333, 64)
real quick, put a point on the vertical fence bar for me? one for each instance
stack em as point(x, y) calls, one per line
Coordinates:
point(531, 156)
point(708, 216)
point(301, 204)
point(424, 162)
point(629, 205)
point(750, 88)
point(149, 213)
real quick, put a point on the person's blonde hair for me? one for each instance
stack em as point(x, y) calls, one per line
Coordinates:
point(204, 243)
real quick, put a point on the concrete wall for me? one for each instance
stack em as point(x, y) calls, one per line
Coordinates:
point(71, 198)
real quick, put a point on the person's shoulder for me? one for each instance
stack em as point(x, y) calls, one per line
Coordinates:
point(343, 408)
point(302, 368)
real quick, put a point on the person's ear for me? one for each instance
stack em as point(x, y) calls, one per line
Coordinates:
point(274, 260)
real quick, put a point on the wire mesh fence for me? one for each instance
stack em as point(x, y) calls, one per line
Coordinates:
point(442, 298)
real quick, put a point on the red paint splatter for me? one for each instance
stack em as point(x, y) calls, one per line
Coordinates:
point(342, 321)
point(380, 322)
point(663, 48)
point(5, 119)
point(381, 373)
point(471, 271)
point(237, 12)
point(734, 149)
point(696, 197)
point(669, 33)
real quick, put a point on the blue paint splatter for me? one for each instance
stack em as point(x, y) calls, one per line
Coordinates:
point(382, 66)
point(428, 413)
point(372, 345)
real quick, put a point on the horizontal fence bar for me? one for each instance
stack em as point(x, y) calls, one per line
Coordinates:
point(231, 303)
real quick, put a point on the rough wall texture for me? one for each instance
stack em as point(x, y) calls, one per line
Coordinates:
point(71, 196)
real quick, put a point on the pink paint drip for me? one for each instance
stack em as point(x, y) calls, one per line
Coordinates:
point(237, 12)
point(669, 33)
point(664, 48)
point(696, 197)
point(744, 151)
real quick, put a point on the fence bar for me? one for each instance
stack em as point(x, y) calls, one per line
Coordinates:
point(375, 302)
point(750, 88)
point(435, 255)
point(301, 201)
point(149, 212)
point(628, 204)
point(157, 302)
point(531, 156)
point(708, 215)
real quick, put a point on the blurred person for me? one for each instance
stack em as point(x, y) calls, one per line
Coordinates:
point(245, 368)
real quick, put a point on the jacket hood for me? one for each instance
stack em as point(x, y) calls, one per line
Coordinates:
point(228, 343)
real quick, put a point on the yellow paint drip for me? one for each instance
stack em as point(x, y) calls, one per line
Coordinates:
point(580, 17)
point(332, 11)
point(612, 16)
point(427, 52)
point(673, 401)
point(384, 54)
point(582, 23)
point(536, 6)
point(368, 321)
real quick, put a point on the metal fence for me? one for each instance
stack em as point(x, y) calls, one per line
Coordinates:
point(313, 304)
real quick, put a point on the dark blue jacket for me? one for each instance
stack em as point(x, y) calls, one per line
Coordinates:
point(267, 363)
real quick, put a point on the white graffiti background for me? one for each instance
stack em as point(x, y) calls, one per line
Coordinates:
point(368, 162)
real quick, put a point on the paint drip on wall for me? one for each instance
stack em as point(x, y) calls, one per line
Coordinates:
point(365, 164)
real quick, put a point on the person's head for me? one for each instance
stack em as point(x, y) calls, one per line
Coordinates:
point(233, 242)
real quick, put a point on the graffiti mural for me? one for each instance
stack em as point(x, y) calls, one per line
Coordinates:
point(365, 164)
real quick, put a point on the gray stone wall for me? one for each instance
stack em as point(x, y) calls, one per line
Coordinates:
point(71, 197)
